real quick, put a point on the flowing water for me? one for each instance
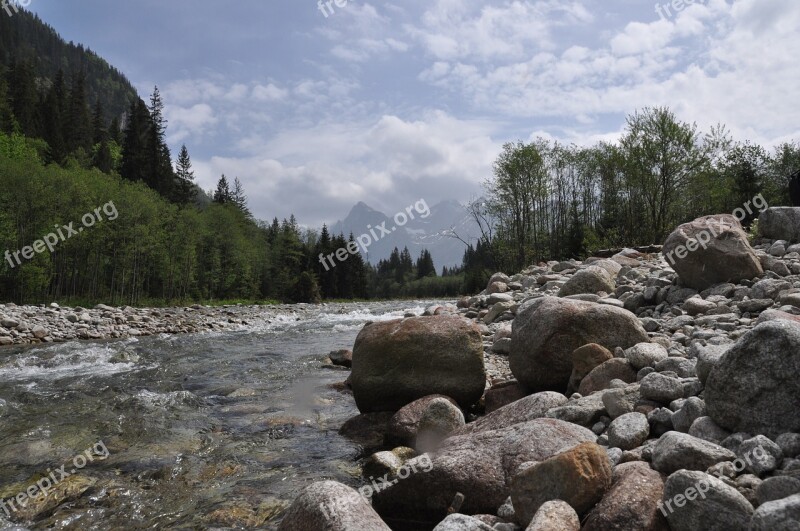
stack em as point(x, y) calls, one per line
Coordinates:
point(200, 431)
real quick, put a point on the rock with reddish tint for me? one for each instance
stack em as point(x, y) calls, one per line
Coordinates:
point(555, 515)
point(403, 426)
point(328, 505)
point(584, 360)
point(478, 465)
point(528, 408)
point(579, 476)
point(548, 330)
point(711, 250)
point(632, 502)
point(502, 394)
point(602, 376)
point(397, 362)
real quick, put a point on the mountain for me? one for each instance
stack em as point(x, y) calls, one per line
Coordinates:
point(25, 37)
point(433, 232)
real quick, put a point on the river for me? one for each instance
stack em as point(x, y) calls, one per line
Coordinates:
point(189, 431)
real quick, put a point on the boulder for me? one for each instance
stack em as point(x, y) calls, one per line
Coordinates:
point(403, 426)
point(628, 431)
point(660, 388)
point(601, 376)
point(503, 393)
point(778, 515)
point(547, 331)
point(695, 500)
point(328, 505)
point(343, 358)
point(711, 250)
point(480, 466)
point(438, 421)
point(579, 476)
point(754, 388)
point(584, 360)
point(593, 279)
point(675, 450)
point(780, 223)
point(645, 355)
point(368, 429)
point(555, 515)
point(777, 488)
point(461, 522)
point(529, 408)
point(631, 503)
point(396, 362)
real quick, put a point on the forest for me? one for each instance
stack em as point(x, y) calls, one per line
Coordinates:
point(74, 135)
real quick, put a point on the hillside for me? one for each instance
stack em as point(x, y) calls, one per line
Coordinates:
point(25, 37)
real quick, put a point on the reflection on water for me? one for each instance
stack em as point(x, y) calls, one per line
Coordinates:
point(209, 430)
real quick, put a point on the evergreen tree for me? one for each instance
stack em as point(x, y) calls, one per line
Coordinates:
point(99, 132)
point(160, 176)
point(78, 126)
point(185, 191)
point(425, 267)
point(222, 194)
point(23, 95)
point(102, 159)
point(238, 197)
point(134, 160)
point(115, 131)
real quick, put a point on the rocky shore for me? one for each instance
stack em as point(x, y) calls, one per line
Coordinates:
point(27, 325)
point(638, 392)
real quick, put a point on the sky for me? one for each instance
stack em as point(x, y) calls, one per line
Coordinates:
point(392, 102)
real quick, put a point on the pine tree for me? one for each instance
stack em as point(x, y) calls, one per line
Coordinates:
point(425, 267)
point(222, 194)
point(134, 156)
point(78, 126)
point(239, 198)
point(99, 132)
point(160, 176)
point(185, 191)
point(115, 131)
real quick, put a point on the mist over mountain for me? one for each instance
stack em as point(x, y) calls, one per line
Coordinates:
point(434, 232)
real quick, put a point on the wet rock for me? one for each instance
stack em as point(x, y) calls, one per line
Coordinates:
point(367, 430)
point(711, 250)
point(478, 465)
point(754, 387)
point(695, 500)
point(43, 503)
point(547, 331)
point(328, 505)
point(632, 502)
point(675, 450)
point(529, 408)
point(342, 358)
point(397, 362)
point(555, 515)
point(579, 476)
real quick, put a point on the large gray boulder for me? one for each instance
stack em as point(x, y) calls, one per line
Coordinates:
point(478, 465)
point(711, 250)
point(528, 408)
point(547, 331)
point(695, 500)
point(780, 223)
point(778, 515)
point(755, 387)
point(593, 279)
point(331, 506)
point(397, 362)
point(676, 450)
